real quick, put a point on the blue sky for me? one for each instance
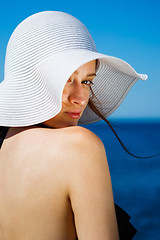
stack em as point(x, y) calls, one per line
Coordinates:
point(126, 29)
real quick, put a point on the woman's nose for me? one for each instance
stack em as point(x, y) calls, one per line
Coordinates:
point(78, 95)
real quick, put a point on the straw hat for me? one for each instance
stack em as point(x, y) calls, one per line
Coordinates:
point(42, 53)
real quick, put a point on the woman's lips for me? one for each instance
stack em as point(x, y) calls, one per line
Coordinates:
point(74, 115)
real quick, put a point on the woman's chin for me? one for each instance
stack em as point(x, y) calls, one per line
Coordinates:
point(64, 124)
point(69, 124)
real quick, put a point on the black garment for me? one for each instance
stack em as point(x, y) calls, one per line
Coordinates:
point(126, 230)
point(3, 132)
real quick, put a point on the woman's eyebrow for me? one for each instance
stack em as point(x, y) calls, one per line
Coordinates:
point(91, 75)
point(88, 75)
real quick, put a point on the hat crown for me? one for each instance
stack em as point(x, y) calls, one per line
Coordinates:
point(42, 35)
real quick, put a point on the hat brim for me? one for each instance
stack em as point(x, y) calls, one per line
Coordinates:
point(38, 96)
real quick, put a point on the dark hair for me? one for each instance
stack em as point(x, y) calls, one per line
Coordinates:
point(96, 111)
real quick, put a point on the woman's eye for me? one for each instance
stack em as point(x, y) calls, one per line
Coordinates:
point(88, 82)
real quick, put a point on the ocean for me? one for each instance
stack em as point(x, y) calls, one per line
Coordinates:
point(135, 182)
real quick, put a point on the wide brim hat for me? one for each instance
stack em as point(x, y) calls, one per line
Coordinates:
point(42, 53)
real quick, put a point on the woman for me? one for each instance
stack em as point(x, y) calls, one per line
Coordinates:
point(54, 177)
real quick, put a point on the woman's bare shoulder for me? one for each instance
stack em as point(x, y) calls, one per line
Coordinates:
point(80, 134)
point(69, 138)
point(64, 146)
point(86, 139)
point(43, 139)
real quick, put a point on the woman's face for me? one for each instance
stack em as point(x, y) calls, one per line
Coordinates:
point(75, 97)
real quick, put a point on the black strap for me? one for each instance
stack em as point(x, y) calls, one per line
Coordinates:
point(3, 134)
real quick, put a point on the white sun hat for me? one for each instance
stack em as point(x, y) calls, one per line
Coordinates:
point(42, 53)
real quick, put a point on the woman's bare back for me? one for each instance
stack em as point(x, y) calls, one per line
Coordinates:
point(33, 197)
point(46, 189)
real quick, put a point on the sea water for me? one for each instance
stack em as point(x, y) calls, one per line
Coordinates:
point(135, 182)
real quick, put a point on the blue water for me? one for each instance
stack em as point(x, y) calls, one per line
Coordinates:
point(136, 182)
